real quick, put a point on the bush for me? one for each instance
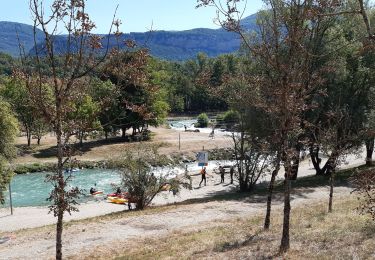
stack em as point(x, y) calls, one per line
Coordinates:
point(219, 120)
point(231, 118)
point(138, 179)
point(202, 120)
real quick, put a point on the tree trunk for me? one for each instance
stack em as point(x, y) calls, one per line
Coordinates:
point(267, 220)
point(295, 164)
point(81, 138)
point(331, 184)
point(285, 243)
point(243, 186)
point(59, 230)
point(330, 164)
point(28, 136)
point(123, 130)
point(60, 188)
point(369, 151)
point(294, 169)
point(314, 155)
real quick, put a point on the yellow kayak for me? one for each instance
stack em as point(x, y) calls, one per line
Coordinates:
point(117, 200)
point(166, 187)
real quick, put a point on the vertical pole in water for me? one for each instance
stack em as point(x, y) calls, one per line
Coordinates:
point(10, 199)
point(179, 141)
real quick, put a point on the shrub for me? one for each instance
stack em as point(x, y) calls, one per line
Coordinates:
point(138, 179)
point(231, 118)
point(202, 120)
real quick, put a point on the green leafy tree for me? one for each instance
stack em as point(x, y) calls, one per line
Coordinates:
point(139, 99)
point(17, 95)
point(85, 113)
point(8, 133)
point(6, 64)
point(105, 94)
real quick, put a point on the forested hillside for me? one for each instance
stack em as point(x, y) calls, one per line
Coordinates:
point(168, 45)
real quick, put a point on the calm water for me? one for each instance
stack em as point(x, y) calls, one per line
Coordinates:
point(32, 190)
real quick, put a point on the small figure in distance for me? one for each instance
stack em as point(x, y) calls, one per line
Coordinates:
point(203, 173)
point(185, 128)
point(222, 172)
point(212, 134)
point(231, 174)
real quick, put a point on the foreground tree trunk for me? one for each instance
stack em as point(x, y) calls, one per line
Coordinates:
point(267, 220)
point(331, 184)
point(285, 243)
point(60, 205)
point(331, 170)
point(59, 230)
point(369, 151)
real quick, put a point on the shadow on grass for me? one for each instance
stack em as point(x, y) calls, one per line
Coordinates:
point(23, 149)
point(300, 189)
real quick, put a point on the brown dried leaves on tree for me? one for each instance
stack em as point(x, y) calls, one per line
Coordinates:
point(364, 185)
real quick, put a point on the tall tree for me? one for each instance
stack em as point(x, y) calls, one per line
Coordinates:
point(287, 79)
point(17, 95)
point(8, 133)
point(55, 81)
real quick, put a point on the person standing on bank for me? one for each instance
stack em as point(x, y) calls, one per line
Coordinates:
point(222, 172)
point(231, 174)
point(203, 173)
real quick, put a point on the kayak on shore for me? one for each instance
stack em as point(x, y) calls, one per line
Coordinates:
point(117, 200)
point(97, 192)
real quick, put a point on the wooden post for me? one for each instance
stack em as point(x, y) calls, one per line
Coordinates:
point(10, 199)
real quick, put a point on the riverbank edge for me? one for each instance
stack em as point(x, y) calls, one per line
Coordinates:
point(174, 159)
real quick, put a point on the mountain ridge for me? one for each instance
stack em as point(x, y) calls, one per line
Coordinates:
point(168, 45)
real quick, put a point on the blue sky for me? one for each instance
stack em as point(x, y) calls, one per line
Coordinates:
point(136, 16)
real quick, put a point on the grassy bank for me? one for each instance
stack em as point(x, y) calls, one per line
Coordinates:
point(174, 159)
point(48, 167)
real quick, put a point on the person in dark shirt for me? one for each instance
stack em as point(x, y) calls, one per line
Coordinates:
point(203, 173)
point(222, 172)
point(231, 174)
